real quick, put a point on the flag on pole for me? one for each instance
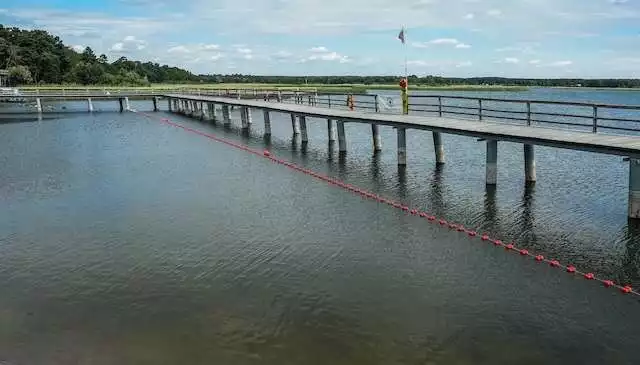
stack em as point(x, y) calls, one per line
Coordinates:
point(401, 35)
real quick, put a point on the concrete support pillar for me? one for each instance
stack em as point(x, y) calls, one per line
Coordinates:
point(331, 131)
point(155, 103)
point(225, 115)
point(634, 188)
point(342, 139)
point(492, 162)
point(303, 129)
point(89, 105)
point(267, 123)
point(39, 105)
point(402, 146)
point(169, 105)
point(375, 134)
point(249, 118)
point(120, 101)
point(212, 111)
point(126, 103)
point(201, 113)
point(295, 125)
point(529, 163)
point(244, 117)
point(438, 148)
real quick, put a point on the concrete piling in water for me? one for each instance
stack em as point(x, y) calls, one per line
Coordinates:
point(529, 163)
point(331, 131)
point(634, 188)
point(212, 112)
point(377, 141)
point(342, 139)
point(438, 148)
point(267, 123)
point(225, 115)
point(155, 103)
point(39, 105)
point(201, 113)
point(244, 117)
point(120, 101)
point(492, 162)
point(295, 125)
point(89, 105)
point(249, 118)
point(169, 106)
point(402, 146)
point(304, 136)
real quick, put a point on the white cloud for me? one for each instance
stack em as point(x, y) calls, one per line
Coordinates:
point(534, 62)
point(441, 42)
point(560, 63)
point(244, 51)
point(209, 47)
point(469, 16)
point(511, 60)
point(464, 64)
point(129, 38)
point(216, 57)
point(78, 48)
point(494, 12)
point(247, 56)
point(319, 49)
point(117, 47)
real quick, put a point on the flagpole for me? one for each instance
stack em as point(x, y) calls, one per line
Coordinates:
point(404, 46)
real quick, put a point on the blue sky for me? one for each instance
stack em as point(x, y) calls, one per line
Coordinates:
point(517, 38)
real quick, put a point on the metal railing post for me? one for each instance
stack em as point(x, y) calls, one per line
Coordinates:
point(440, 106)
point(480, 109)
point(595, 119)
point(375, 100)
point(528, 113)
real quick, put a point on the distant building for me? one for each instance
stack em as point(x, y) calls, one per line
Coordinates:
point(4, 78)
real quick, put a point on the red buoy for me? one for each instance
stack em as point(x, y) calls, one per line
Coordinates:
point(266, 153)
point(443, 222)
point(524, 252)
point(626, 289)
point(461, 228)
point(414, 211)
point(608, 283)
point(405, 208)
point(509, 246)
point(571, 269)
point(472, 233)
point(452, 226)
point(539, 258)
point(484, 237)
point(589, 276)
point(424, 215)
point(432, 218)
point(554, 263)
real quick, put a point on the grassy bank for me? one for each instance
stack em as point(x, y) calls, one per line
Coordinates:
point(339, 88)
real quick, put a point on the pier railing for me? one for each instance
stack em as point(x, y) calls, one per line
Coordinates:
point(583, 116)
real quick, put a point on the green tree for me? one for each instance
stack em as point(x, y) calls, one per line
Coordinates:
point(19, 75)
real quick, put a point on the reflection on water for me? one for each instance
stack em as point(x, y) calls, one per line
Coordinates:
point(127, 241)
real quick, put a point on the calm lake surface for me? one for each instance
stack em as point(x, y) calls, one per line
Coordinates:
point(127, 241)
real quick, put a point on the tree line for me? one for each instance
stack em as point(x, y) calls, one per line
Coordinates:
point(37, 57)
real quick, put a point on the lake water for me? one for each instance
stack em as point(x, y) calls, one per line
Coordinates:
point(127, 241)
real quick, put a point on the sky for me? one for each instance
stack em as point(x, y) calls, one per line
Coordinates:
point(457, 38)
